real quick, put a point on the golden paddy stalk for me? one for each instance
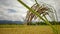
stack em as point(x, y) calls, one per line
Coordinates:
point(38, 15)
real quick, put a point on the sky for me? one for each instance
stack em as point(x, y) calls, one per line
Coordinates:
point(13, 10)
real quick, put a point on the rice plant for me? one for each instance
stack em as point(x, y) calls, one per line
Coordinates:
point(40, 10)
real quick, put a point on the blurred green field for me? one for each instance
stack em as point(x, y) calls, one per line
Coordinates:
point(30, 29)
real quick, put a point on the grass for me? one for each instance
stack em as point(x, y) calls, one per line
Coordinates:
point(30, 29)
point(38, 15)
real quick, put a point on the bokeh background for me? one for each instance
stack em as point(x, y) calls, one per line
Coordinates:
point(12, 10)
